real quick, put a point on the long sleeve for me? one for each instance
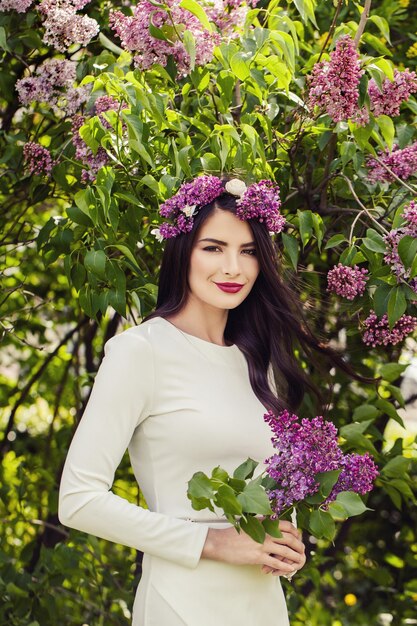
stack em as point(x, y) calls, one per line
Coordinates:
point(121, 398)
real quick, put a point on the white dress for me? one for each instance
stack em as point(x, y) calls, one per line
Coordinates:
point(179, 404)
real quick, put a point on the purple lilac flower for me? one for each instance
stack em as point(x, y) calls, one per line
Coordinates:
point(347, 282)
point(21, 6)
point(84, 154)
point(358, 474)
point(388, 101)
point(378, 333)
point(302, 450)
point(261, 201)
point(334, 85)
point(37, 158)
point(135, 36)
point(180, 208)
point(64, 26)
point(402, 162)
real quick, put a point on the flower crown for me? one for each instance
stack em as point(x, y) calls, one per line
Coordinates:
point(258, 201)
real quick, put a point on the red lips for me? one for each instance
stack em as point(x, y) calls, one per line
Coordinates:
point(229, 287)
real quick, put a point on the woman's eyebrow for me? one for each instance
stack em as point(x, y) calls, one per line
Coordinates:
point(224, 243)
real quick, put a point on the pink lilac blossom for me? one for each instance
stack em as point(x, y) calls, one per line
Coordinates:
point(63, 26)
point(378, 333)
point(84, 154)
point(302, 450)
point(410, 216)
point(107, 103)
point(52, 84)
point(403, 162)
point(334, 85)
point(388, 101)
point(228, 15)
point(134, 34)
point(37, 158)
point(21, 6)
point(392, 240)
point(347, 282)
point(261, 201)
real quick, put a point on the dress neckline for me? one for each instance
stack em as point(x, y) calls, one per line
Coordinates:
point(198, 339)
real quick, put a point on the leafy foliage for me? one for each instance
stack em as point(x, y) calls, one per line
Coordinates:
point(78, 259)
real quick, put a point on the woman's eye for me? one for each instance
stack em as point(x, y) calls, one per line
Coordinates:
point(211, 248)
point(251, 251)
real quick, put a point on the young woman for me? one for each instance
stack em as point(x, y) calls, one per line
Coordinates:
point(185, 391)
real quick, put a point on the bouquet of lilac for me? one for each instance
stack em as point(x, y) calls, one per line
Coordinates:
point(307, 472)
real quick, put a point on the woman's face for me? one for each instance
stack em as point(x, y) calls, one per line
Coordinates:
point(223, 264)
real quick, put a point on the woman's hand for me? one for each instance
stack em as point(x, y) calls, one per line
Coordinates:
point(295, 566)
point(279, 556)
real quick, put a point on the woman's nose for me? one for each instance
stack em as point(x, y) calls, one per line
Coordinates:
point(231, 265)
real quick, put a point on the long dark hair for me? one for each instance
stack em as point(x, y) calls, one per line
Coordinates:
point(267, 326)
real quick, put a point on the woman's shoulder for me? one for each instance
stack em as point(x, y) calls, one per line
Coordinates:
point(148, 333)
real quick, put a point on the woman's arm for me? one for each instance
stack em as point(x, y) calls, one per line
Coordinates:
point(120, 399)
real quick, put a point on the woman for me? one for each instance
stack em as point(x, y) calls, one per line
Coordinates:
point(185, 391)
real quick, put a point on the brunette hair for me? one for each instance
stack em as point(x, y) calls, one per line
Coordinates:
point(268, 326)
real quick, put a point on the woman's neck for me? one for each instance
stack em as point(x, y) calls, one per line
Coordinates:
point(203, 322)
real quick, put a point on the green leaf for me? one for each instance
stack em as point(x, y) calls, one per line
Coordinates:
point(407, 249)
point(327, 481)
point(3, 40)
point(321, 525)
point(381, 297)
point(392, 371)
point(347, 151)
point(189, 44)
point(387, 128)
point(352, 503)
point(335, 241)
point(396, 467)
point(306, 225)
point(337, 511)
point(245, 470)
point(200, 486)
point(95, 262)
point(376, 44)
point(253, 527)
point(129, 256)
point(390, 410)
point(365, 412)
point(239, 64)
point(226, 499)
point(220, 474)
point(78, 217)
point(374, 241)
point(272, 527)
point(237, 484)
point(254, 499)
point(306, 11)
point(291, 248)
point(397, 305)
point(196, 9)
point(382, 25)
